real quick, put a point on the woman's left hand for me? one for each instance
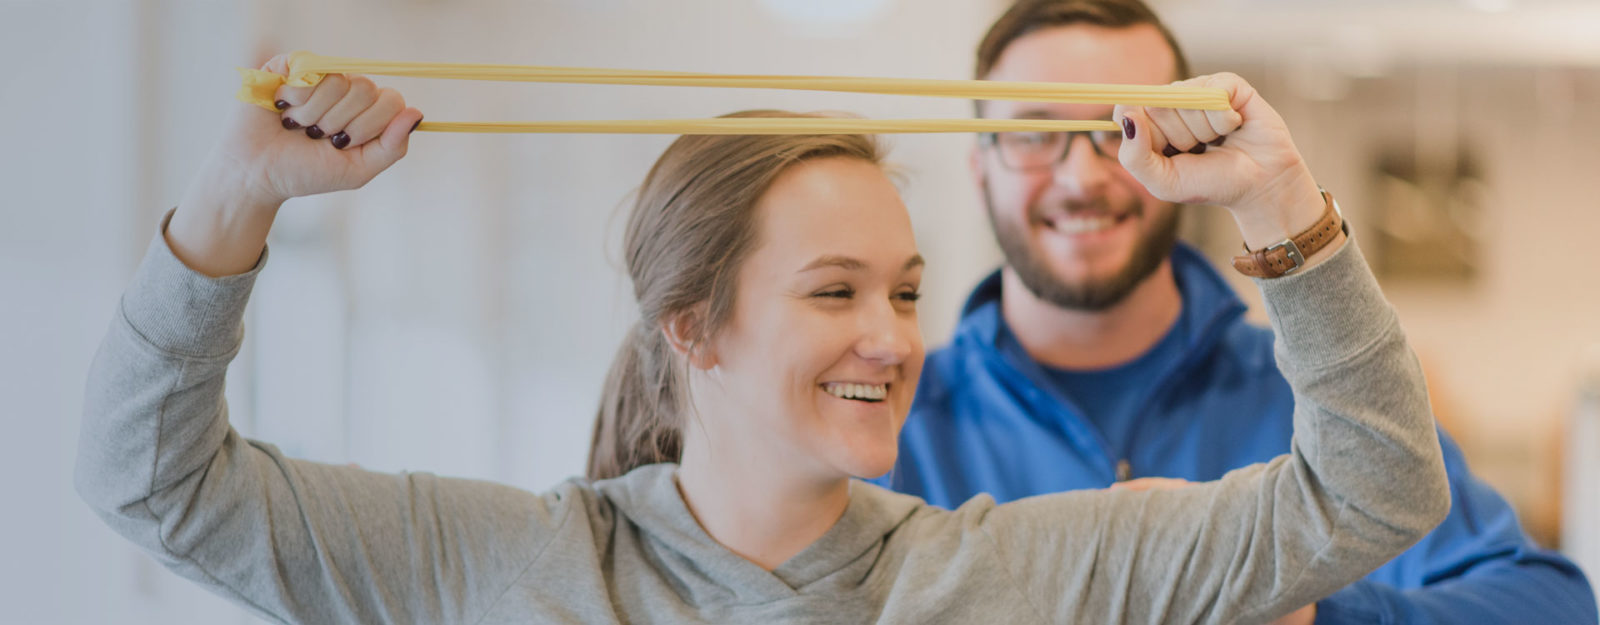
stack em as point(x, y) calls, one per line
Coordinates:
point(1242, 159)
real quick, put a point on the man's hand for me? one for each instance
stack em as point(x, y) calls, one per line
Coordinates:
point(1303, 616)
point(1152, 483)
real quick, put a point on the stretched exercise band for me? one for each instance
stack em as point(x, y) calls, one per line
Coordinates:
point(307, 69)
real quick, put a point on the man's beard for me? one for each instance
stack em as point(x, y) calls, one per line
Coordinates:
point(1092, 294)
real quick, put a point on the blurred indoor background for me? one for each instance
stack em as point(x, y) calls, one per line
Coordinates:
point(459, 313)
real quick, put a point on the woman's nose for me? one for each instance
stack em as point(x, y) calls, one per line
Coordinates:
point(888, 339)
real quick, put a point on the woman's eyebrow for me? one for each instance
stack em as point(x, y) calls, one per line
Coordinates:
point(833, 260)
point(854, 264)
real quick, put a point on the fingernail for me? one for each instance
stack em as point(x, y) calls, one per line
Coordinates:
point(414, 126)
point(1127, 128)
point(340, 140)
point(1199, 148)
point(1168, 151)
point(1217, 142)
point(314, 132)
point(289, 124)
point(281, 104)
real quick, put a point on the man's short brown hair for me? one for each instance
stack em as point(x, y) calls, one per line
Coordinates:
point(1027, 16)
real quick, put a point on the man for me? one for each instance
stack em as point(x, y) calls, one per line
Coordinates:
point(1104, 351)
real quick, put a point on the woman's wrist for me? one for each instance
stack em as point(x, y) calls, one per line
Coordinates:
point(221, 180)
point(1289, 217)
point(1279, 213)
point(221, 225)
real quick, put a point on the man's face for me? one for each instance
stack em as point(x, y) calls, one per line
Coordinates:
point(1083, 233)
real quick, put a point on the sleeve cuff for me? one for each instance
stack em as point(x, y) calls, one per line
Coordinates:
point(179, 310)
point(1326, 313)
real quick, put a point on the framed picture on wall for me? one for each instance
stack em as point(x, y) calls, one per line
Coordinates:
point(1429, 213)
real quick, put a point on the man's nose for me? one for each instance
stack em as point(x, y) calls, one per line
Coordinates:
point(1083, 172)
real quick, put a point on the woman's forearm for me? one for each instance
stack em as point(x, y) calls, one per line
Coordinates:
point(220, 226)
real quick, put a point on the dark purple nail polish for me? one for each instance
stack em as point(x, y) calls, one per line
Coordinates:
point(1199, 148)
point(1170, 151)
point(1217, 142)
point(340, 140)
point(414, 126)
point(314, 132)
point(281, 104)
point(1127, 128)
point(289, 124)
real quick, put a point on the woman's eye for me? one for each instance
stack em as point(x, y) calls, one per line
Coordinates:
point(837, 293)
point(909, 296)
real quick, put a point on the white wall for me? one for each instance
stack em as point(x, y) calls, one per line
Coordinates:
point(89, 153)
point(459, 313)
point(1580, 530)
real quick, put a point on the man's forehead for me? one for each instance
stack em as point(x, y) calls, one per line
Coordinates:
point(1089, 54)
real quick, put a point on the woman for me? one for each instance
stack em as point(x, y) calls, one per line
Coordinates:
point(775, 358)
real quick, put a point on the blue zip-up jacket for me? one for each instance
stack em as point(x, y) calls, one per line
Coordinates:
point(989, 420)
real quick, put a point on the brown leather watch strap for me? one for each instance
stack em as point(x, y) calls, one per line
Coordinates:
point(1281, 259)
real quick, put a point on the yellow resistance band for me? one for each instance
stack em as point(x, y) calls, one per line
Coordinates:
point(307, 69)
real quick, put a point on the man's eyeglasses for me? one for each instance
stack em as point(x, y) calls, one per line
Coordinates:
point(1029, 151)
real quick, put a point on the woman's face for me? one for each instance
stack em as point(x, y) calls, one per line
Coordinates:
point(819, 360)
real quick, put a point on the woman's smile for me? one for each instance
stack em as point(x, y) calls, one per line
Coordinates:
point(871, 393)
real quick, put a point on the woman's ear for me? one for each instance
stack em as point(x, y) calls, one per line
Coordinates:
point(683, 333)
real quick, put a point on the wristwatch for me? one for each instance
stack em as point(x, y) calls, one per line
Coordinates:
point(1289, 255)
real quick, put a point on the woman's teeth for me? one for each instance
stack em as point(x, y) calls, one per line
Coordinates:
point(1080, 225)
point(867, 392)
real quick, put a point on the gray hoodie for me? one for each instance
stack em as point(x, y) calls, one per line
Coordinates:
point(304, 542)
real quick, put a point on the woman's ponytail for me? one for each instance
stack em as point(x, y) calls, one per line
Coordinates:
point(638, 420)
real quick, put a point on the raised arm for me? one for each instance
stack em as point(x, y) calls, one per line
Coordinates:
point(293, 541)
point(335, 136)
point(1365, 478)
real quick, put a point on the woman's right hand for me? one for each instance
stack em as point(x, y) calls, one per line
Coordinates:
point(335, 136)
point(263, 159)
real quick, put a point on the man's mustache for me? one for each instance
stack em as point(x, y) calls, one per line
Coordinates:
point(1097, 208)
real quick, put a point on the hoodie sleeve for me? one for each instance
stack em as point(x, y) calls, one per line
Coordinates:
point(294, 541)
point(1363, 482)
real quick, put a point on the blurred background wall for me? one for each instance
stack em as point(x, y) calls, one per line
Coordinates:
point(1461, 138)
point(458, 314)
